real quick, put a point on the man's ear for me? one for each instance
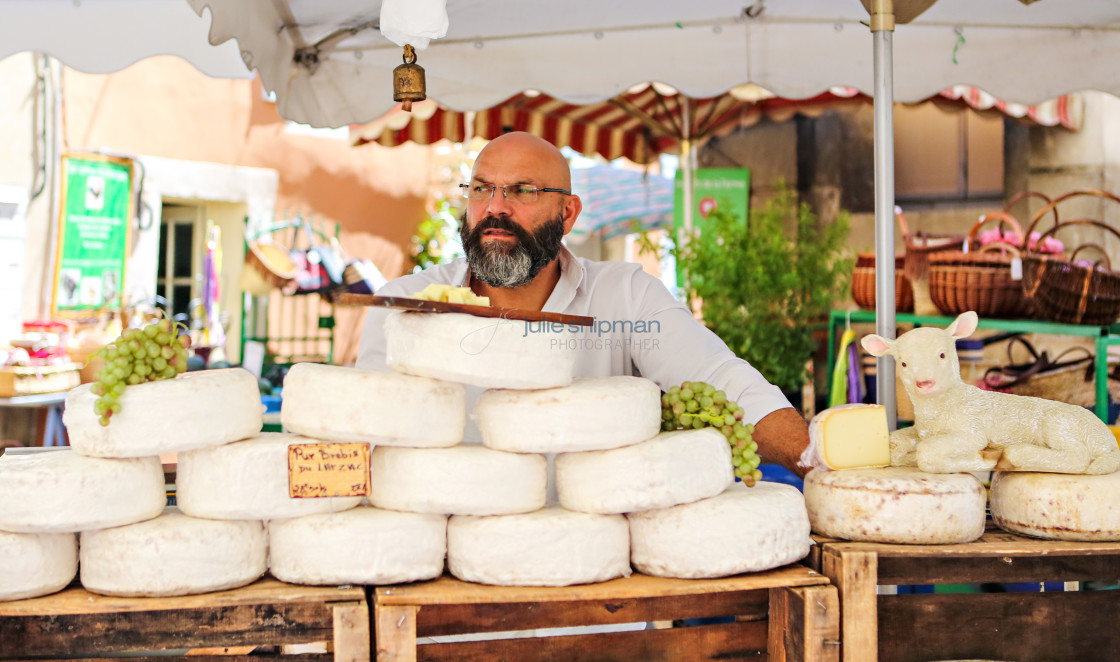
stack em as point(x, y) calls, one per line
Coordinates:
point(572, 207)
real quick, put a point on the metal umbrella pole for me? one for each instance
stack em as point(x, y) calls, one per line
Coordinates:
point(882, 31)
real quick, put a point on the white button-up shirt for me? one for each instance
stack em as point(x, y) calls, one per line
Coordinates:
point(640, 330)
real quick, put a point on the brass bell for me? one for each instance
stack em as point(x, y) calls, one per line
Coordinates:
point(408, 80)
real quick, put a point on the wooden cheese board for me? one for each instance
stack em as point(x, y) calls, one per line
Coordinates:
point(425, 306)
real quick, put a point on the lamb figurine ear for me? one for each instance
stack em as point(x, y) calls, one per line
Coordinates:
point(963, 326)
point(876, 345)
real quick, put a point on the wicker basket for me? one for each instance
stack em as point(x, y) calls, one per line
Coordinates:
point(1068, 377)
point(919, 247)
point(982, 280)
point(863, 284)
point(1065, 291)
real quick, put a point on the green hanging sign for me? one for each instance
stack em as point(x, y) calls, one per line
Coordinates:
point(93, 233)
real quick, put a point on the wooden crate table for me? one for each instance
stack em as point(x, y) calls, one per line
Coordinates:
point(1021, 626)
point(75, 622)
point(789, 613)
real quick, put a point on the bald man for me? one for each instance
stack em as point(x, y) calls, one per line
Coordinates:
point(519, 207)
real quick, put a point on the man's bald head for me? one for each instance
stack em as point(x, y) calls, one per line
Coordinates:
point(537, 159)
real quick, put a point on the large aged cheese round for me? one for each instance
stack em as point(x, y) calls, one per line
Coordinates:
point(462, 480)
point(591, 414)
point(549, 547)
point(173, 555)
point(743, 529)
point(895, 504)
point(668, 470)
point(64, 492)
point(194, 410)
point(385, 408)
point(247, 480)
point(360, 546)
point(34, 564)
point(1057, 506)
point(483, 351)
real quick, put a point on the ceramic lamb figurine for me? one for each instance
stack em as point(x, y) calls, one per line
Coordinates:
point(959, 427)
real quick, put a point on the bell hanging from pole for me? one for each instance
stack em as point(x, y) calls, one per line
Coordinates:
point(408, 80)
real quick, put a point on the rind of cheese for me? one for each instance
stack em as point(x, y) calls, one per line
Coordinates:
point(462, 480)
point(591, 414)
point(173, 555)
point(361, 546)
point(194, 410)
point(1057, 506)
point(337, 403)
point(851, 437)
point(34, 564)
point(743, 529)
point(895, 505)
point(481, 351)
point(549, 547)
point(451, 294)
point(247, 480)
point(64, 492)
point(671, 469)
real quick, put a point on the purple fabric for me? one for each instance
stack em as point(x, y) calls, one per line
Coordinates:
point(855, 381)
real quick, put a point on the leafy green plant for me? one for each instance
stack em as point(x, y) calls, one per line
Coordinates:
point(436, 238)
point(762, 284)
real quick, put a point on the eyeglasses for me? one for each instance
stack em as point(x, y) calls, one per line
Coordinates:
point(512, 192)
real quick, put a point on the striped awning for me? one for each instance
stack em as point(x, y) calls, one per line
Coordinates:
point(616, 199)
point(648, 119)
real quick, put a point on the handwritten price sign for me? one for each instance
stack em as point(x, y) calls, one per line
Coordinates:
point(328, 470)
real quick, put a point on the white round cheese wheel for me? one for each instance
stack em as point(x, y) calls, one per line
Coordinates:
point(360, 546)
point(743, 529)
point(60, 491)
point(34, 564)
point(592, 414)
point(462, 480)
point(896, 505)
point(668, 470)
point(1057, 506)
point(247, 480)
point(173, 554)
point(549, 547)
point(194, 410)
point(384, 408)
point(484, 351)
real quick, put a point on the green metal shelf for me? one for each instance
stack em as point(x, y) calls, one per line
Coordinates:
point(1104, 337)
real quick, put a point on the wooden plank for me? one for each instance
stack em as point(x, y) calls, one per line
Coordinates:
point(351, 632)
point(159, 629)
point(395, 631)
point(1026, 627)
point(994, 542)
point(447, 590)
point(804, 624)
point(729, 641)
point(854, 574)
point(435, 620)
point(76, 600)
point(1010, 569)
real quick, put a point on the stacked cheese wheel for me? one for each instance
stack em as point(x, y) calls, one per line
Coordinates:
point(108, 489)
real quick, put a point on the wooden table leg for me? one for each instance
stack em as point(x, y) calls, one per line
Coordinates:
point(804, 625)
point(351, 632)
point(396, 633)
point(855, 575)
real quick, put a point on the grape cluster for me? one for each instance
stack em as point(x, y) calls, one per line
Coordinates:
point(138, 355)
point(695, 405)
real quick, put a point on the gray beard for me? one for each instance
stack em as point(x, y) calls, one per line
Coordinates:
point(497, 268)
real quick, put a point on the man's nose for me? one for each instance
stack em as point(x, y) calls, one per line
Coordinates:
point(498, 204)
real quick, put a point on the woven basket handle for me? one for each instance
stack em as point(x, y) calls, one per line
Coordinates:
point(1022, 195)
point(1002, 246)
point(1098, 248)
point(1060, 199)
point(1079, 221)
point(1000, 216)
point(901, 223)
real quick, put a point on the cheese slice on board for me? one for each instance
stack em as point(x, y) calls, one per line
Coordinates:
point(849, 437)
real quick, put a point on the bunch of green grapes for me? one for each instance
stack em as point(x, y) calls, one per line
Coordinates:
point(139, 355)
point(695, 405)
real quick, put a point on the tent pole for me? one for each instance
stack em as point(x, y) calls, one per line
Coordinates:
point(686, 164)
point(882, 30)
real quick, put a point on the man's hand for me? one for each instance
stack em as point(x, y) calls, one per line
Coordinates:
point(781, 436)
